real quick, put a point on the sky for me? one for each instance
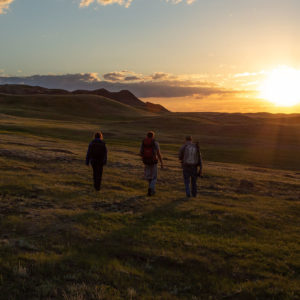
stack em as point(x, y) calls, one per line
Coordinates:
point(189, 55)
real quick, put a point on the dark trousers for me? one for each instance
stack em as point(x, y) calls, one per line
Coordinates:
point(97, 174)
point(190, 177)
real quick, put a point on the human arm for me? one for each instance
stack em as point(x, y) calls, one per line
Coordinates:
point(141, 150)
point(159, 155)
point(88, 154)
point(105, 155)
point(160, 159)
point(200, 163)
point(181, 153)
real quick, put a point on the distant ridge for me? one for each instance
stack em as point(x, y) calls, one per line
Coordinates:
point(123, 96)
point(20, 89)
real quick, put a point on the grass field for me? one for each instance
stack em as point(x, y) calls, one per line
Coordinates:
point(239, 239)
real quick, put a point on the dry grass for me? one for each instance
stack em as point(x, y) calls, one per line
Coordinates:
point(239, 239)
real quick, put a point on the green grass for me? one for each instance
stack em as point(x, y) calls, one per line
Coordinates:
point(61, 240)
point(239, 239)
point(264, 140)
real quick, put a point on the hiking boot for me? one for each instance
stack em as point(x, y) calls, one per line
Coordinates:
point(149, 192)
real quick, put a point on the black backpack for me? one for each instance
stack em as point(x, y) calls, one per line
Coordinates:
point(97, 150)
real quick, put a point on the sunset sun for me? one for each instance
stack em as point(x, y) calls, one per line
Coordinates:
point(282, 87)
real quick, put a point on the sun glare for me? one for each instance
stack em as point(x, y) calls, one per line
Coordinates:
point(282, 87)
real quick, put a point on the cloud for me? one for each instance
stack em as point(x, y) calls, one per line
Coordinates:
point(66, 81)
point(141, 85)
point(160, 76)
point(114, 76)
point(4, 5)
point(126, 3)
point(119, 76)
point(168, 79)
point(178, 1)
point(167, 90)
point(183, 79)
point(249, 74)
point(91, 77)
point(248, 80)
point(84, 3)
point(131, 78)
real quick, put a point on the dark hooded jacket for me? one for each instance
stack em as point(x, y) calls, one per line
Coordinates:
point(102, 158)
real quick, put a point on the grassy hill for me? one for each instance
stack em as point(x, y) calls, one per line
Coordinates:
point(123, 96)
point(263, 140)
point(67, 107)
point(239, 239)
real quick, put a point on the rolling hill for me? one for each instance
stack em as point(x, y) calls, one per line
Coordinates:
point(66, 106)
point(263, 140)
point(124, 96)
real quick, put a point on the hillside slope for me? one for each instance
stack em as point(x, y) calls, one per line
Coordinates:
point(124, 96)
point(260, 140)
point(67, 107)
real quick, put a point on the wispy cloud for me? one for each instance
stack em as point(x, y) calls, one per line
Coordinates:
point(4, 5)
point(126, 3)
point(249, 74)
point(84, 3)
point(119, 76)
point(178, 1)
point(188, 80)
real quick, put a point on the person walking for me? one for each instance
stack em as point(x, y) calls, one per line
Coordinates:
point(190, 158)
point(97, 156)
point(150, 153)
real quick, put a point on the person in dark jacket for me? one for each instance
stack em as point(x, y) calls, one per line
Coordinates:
point(97, 157)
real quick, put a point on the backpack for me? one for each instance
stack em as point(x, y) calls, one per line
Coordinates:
point(149, 152)
point(191, 155)
point(97, 150)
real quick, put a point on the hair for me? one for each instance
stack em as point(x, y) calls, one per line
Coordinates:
point(188, 138)
point(150, 134)
point(99, 135)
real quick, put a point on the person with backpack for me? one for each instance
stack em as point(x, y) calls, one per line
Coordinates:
point(97, 156)
point(150, 153)
point(190, 158)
